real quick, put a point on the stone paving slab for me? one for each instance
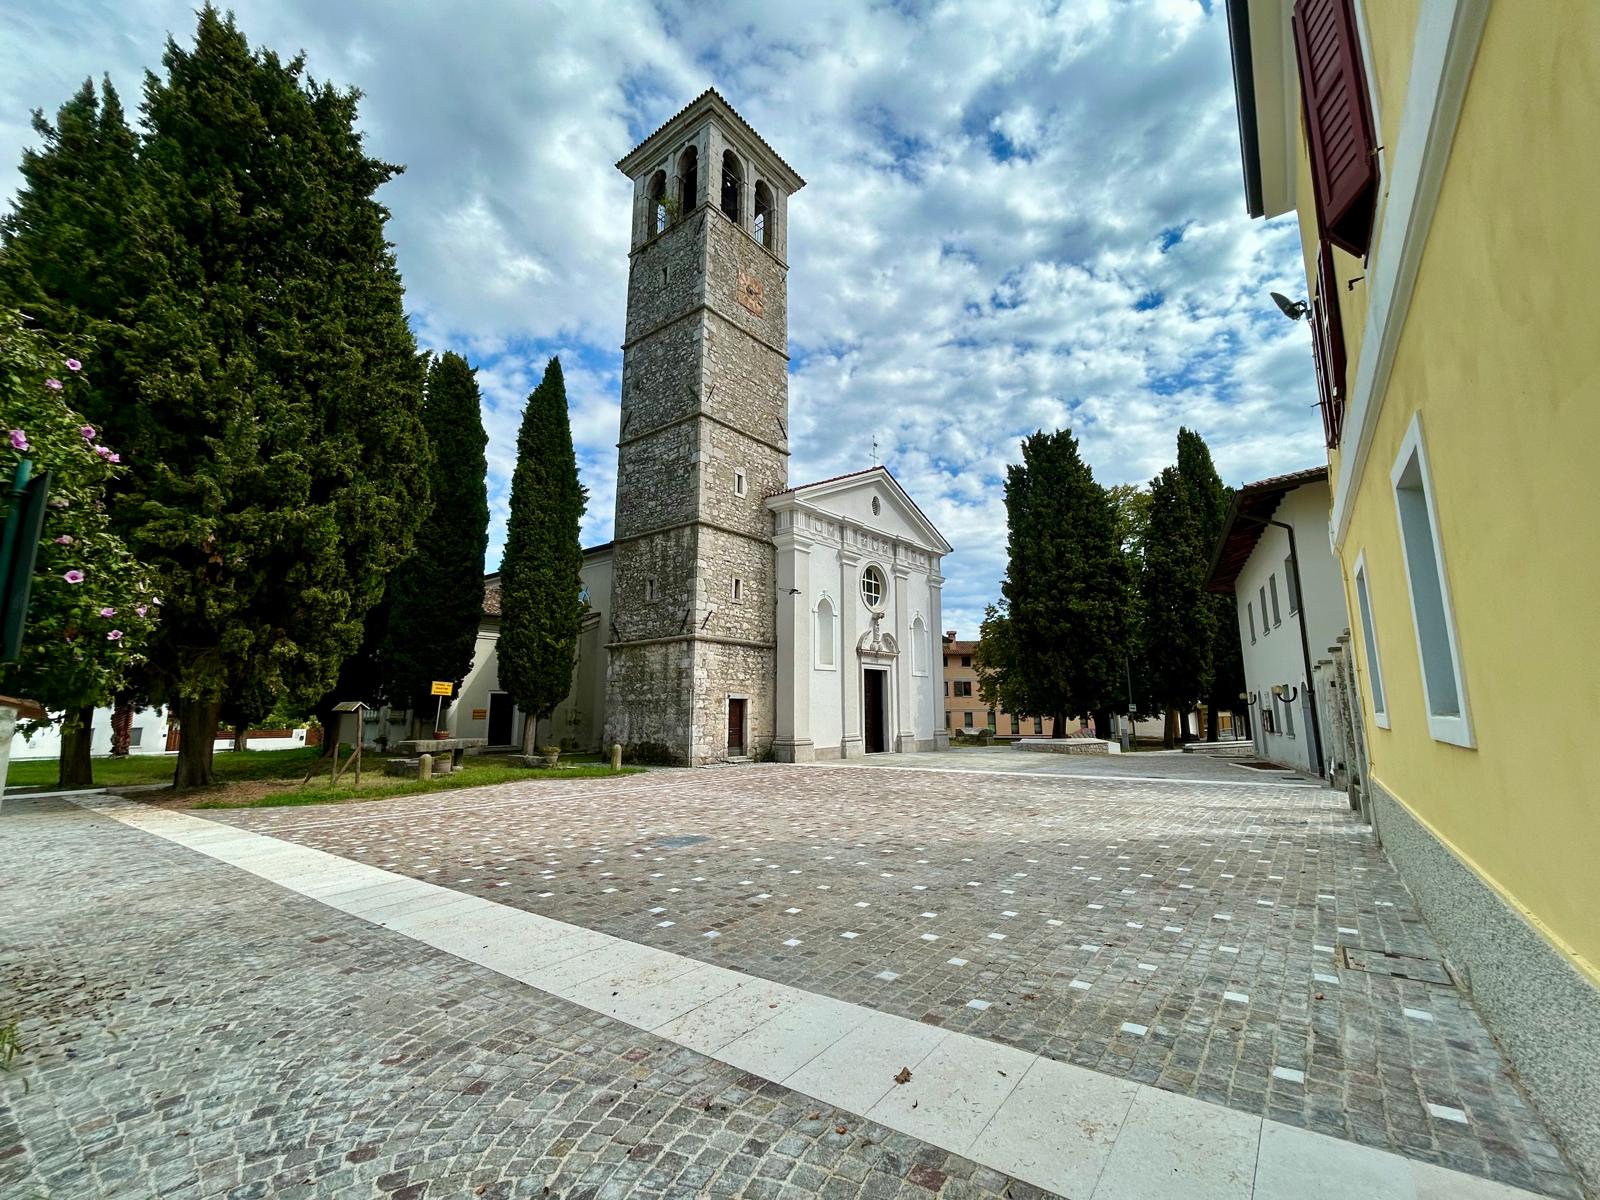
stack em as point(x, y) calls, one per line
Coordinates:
point(1177, 934)
point(191, 1031)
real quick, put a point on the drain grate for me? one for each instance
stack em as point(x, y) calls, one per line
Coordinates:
point(1264, 766)
point(677, 843)
point(1396, 966)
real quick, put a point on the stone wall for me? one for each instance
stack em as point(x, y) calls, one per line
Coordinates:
point(722, 671)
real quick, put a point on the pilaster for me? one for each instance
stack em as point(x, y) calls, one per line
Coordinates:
point(850, 743)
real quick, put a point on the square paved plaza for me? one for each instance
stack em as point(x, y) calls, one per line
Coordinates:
point(1163, 919)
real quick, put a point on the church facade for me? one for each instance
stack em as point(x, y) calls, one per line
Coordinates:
point(731, 615)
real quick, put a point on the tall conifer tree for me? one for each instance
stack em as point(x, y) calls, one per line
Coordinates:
point(1211, 497)
point(269, 410)
point(1175, 607)
point(539, 573)
point(1066, 585)
point(436, 596)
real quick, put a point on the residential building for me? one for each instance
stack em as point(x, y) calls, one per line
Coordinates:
point(964, 709)
point(1439, 157)
point(1274, 557)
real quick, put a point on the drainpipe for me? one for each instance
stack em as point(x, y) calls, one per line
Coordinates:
point(1305, 644)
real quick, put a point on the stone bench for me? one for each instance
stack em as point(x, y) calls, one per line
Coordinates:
point(408, 768)
point(1063, 745)
point(457, 748)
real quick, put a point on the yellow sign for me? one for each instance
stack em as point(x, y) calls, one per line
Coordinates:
point(442, 688)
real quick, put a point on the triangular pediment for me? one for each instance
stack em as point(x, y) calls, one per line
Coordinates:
point(851, 498)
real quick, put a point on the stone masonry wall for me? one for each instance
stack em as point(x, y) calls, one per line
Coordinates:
point(720, 671)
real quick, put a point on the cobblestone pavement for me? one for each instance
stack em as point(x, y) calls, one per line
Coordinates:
point(1150, 764)
point(1185, 935)
point(192, 1031)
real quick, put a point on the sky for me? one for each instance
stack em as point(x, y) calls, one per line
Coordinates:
point(1017, 216)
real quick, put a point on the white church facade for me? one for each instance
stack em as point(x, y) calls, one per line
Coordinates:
point(732, 615)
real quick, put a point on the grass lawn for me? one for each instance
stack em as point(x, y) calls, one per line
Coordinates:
point(274, 778)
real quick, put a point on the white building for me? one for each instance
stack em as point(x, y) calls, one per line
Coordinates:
point(858, 610)
point(1275, 557)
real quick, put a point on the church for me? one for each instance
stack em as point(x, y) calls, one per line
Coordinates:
point(732, 615)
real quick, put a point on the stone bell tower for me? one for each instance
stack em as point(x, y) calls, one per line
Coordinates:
point(704, 439)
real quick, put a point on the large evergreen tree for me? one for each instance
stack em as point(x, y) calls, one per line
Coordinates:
point(1174, 605)
point(264, 386)
point(539, 581)
point(1211, 498)
point(436, 596)
point(1066, 585)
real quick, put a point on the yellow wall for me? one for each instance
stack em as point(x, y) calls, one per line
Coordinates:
point(1501, 354)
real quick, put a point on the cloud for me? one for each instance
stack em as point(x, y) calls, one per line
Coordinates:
point(1017, 216)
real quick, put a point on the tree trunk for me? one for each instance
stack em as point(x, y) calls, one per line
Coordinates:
point(1102, 724)
point(1058, 725)
point(1213, 723)
point(197, 724)
point(121, 727)
point(241, 737)
point(75, 768)
point(1170, 730)
point(530, 730)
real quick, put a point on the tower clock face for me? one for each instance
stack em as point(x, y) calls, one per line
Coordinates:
point(749, 292)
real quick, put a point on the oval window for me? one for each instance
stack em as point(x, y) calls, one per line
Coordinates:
point(872, 587)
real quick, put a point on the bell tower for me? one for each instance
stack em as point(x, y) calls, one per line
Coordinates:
point(704, 439)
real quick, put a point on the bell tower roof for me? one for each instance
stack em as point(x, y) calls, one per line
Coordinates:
point(709, 103)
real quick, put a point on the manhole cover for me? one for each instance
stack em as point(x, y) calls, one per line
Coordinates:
point(1396, 966)
point(677, 843)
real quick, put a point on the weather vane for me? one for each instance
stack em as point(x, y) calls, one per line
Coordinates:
point(874, 449)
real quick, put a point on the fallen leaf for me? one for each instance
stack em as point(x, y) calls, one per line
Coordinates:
point(1029, 996)
point(1320, 996)
point(814, 1117)
point(904, 1076)
point(841, 1129)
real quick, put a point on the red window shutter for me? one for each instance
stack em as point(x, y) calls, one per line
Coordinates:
point(1327, 343)
point(1333, 87)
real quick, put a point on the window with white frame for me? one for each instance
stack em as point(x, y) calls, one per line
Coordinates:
point(824, 633)
point(872, 588)
point(1277, 619)
point(738, 481)
point(1250, 610)
point(738, 588)
point(919, 647)
point(1288, 712)
point(1437, 646)
point(1265, 627)
point(1288, 579)
point(1369, 639)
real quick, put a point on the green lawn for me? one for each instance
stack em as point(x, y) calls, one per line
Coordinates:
point(377, 786)
point(157, 768)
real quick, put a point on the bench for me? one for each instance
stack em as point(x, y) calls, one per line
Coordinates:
point(457, 748)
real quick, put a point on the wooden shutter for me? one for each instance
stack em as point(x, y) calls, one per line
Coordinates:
point(1327, 346)
point(1339, 128)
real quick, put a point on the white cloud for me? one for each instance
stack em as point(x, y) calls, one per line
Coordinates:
point(1018, 215)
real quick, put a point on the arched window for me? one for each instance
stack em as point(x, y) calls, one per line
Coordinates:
point(919, 647)
point(688, 181)
point(732, 185)
point(824, 633)
point(657, 213)
point(765, 226)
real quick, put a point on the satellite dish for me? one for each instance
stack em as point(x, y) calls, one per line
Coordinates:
point(1293, 309)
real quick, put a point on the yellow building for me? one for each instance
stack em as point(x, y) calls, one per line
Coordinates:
point(1441, 157)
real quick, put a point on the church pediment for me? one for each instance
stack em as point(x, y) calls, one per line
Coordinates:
point(870, 500)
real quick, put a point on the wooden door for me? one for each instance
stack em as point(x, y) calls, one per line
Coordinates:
point(736, 746)
point(499, 732)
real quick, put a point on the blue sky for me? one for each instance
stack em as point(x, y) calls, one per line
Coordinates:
point(1017, 216)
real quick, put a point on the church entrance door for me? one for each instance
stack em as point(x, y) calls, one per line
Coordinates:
point(736, 747)
point(499, 732)
point(874, 688)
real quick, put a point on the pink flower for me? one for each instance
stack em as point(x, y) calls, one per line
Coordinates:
point(106, 453)
point(114, 636)
point(108, 612)
point(53, 384)
point(141, 609)
point(66, 539)
point(87, 431)
point(74, 365)
point(73, 576)
point(19, 440)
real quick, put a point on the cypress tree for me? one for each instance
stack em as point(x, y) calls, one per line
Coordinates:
point(1225, 666)
point(436, 595)
point(539, 573)
point(1066, 585)
point(270, 399)
point(1175, 607)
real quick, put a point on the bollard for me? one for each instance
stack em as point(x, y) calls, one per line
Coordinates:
point(425, 767)
point(616, 756)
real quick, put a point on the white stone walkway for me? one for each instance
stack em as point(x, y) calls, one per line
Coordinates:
point(1075, 1132)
